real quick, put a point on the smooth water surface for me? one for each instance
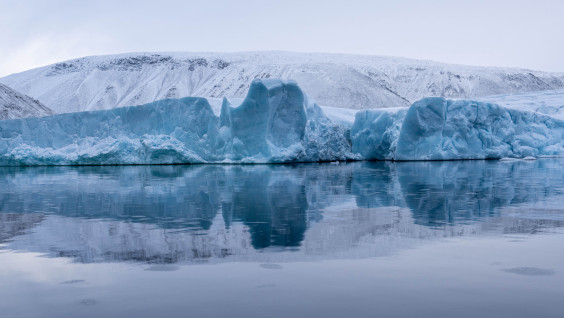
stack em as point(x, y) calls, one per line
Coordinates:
point(365, 239)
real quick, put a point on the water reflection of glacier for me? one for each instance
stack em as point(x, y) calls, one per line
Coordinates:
point(313, 211)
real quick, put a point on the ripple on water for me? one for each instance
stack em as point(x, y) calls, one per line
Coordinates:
point(530, 271)
point(163, 268)
point(271, 266)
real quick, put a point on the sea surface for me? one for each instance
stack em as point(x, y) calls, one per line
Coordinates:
point(363, 239)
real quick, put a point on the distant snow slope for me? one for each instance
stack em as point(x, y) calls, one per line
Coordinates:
point(14, 104)
point(545, 102)
point(346, 81)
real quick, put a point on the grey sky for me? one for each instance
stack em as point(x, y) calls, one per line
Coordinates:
point(518, 33)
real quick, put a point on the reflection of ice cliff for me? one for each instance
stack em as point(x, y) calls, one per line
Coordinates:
point(208, 213)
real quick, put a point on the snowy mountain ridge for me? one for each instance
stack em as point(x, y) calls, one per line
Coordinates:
point(14, 104)
point(337, 80)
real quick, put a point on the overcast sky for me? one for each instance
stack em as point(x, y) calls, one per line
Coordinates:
point(527, 34)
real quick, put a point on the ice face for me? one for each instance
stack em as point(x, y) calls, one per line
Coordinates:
point(375, 133)
point(440, 129)
point(168, 131)
point(276, 123)
point(271, 120)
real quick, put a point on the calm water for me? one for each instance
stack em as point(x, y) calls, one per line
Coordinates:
point(367, 239)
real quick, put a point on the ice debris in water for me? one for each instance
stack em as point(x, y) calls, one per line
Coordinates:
point(276, 123)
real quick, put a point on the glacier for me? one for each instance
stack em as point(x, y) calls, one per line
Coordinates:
point(440, 129)
point(277, 123)
point(374, 134)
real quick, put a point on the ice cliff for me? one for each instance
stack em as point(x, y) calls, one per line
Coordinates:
point(276, 123)
point(441, 129)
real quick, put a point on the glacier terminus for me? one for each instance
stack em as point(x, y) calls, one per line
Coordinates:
point(277, 123)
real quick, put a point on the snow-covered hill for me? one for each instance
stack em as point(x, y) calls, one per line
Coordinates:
point(348, 81)
point(14, 104)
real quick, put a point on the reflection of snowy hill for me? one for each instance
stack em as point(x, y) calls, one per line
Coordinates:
point(271, 213)
point(14, 224)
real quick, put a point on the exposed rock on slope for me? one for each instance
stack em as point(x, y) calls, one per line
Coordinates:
point(16, 105)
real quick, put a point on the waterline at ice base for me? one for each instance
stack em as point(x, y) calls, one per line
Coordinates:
point(277, 123)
